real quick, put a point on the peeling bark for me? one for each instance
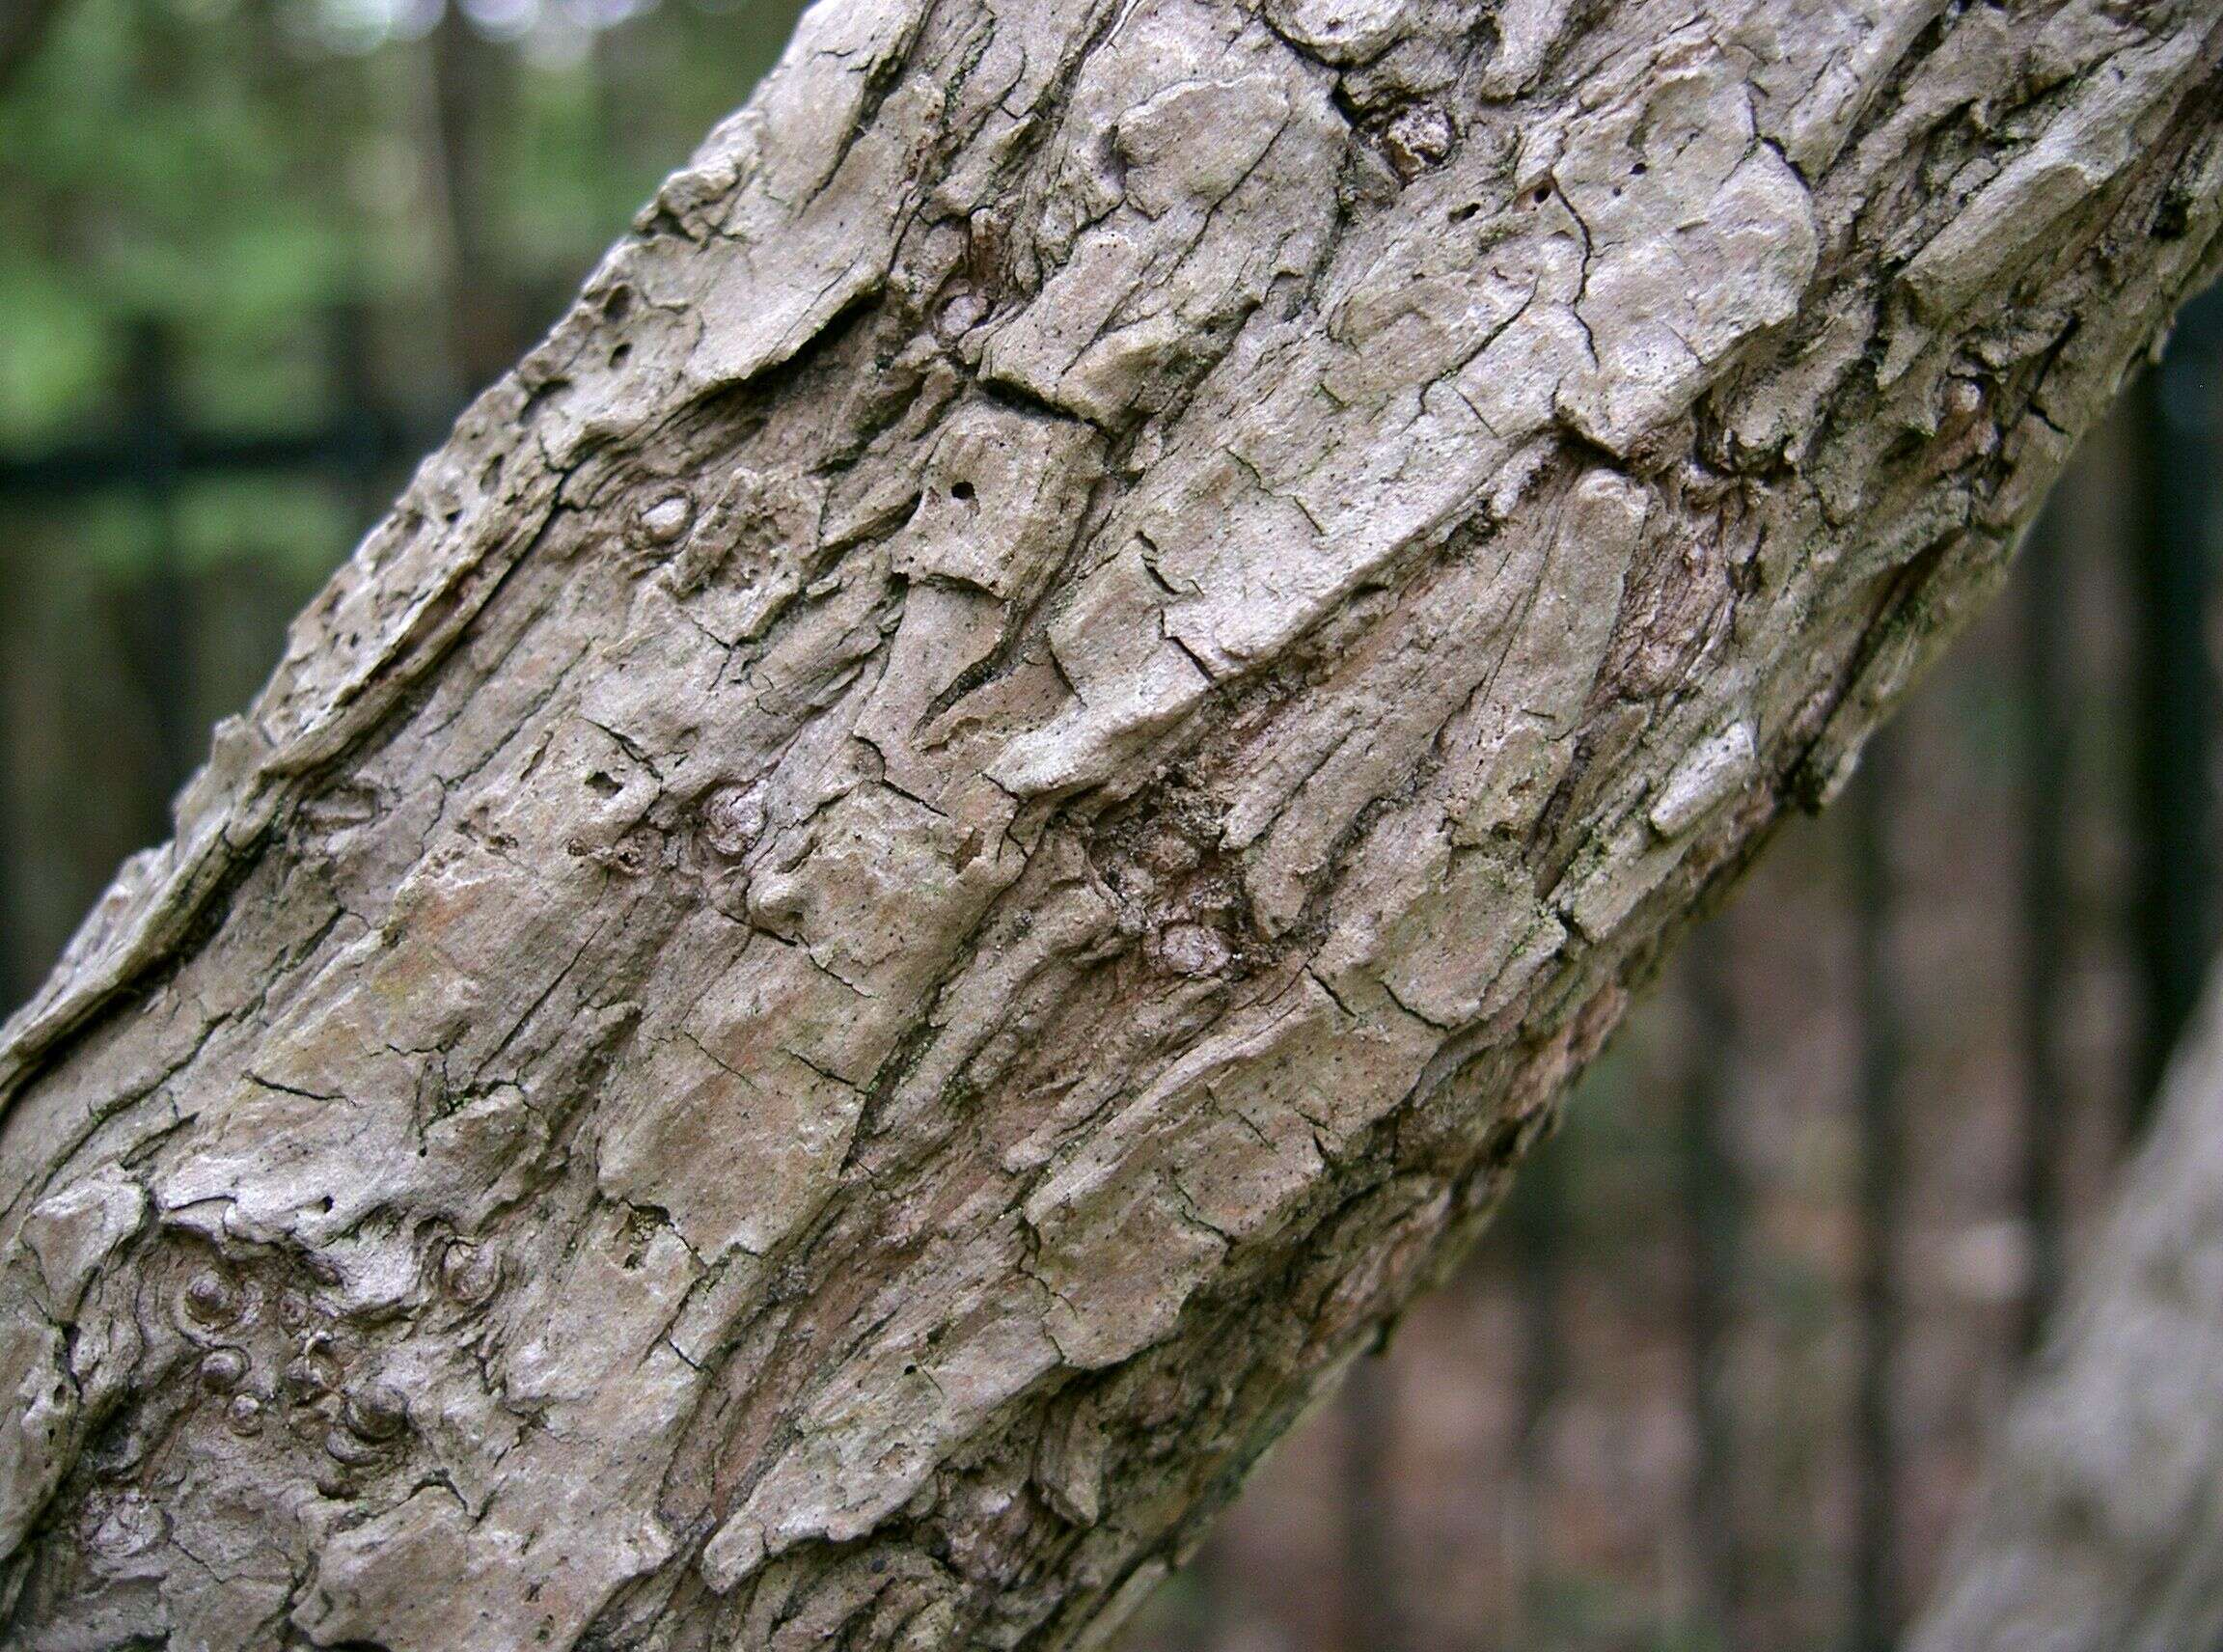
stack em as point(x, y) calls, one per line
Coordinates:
point(955, 839)
point(2100, 1526)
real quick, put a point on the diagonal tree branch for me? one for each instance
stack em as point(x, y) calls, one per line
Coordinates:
point(956, 838)
point(2100, 1526)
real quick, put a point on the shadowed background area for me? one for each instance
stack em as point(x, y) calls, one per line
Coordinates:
point(1721, 1373)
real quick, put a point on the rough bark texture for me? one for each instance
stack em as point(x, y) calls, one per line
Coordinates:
point(948, 848)
point(2100, 1526)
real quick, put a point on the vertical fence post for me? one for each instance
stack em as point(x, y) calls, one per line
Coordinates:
point(363, 434)
point(1713, 1215)
point(162, 626)
point(16, 966)
point(2045, 642)
point(2180, 455)
point(1535, 1221)
point(1374, 1583)
point(1881, 1166)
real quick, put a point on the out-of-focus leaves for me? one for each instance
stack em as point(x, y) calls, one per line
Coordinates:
point(236, 167)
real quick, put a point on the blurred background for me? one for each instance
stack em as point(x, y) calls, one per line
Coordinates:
point(1721, 1372)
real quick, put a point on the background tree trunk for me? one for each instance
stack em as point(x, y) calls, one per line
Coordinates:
point(2101, 1522)
point(958, 836)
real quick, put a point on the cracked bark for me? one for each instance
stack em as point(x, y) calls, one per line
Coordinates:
point(961, 833)
point(2097, 1528)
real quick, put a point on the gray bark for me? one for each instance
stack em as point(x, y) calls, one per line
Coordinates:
point(2100, 1527)
point(955, 839)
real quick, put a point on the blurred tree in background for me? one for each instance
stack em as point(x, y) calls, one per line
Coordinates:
point(1721, 1374)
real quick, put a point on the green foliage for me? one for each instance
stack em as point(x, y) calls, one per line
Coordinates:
point(232, 168)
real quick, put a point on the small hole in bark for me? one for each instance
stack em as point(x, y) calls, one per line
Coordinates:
point(602, 786)
point(540, 398)
point(617, 356)
point(1638, 170)
point(1460, 214)
point(1542, 195)
point(961, 490)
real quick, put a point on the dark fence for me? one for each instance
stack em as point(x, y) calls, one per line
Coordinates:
point(113, 664)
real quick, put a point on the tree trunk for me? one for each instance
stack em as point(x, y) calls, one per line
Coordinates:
point(951, 844)
point(2101, 1524)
